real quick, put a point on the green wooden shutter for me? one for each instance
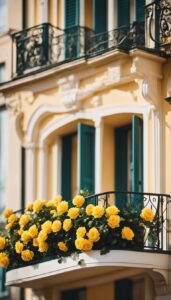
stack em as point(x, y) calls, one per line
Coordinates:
point(72, 16)
point(66, 188)
point(121, 164)
point(140, 10)
point(137, 154)
point(3, 290)
point(100, 15)
point(123, 289)
point(86, 148)
point(123, 12)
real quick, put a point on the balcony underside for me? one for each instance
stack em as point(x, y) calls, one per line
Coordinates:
point(51, 272)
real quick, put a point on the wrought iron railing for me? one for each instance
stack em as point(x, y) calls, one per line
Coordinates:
point(125, 37)
point(156, 237)
point(158, 20)
point(45, 45)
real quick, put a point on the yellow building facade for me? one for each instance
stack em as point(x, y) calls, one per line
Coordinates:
point(83, 91)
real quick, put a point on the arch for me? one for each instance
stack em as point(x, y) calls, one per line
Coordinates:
point(94, 115)
point(40, 113)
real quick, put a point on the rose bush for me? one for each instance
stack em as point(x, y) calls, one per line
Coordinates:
point(53, 229)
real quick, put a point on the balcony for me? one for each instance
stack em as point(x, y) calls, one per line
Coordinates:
point(148, 251)
point(44, 46)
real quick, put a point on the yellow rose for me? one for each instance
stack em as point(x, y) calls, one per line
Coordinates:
point(2, 243)
point(93, 235)
point(89, 209)
point(7, 213)
point(62, 246)
point(98, 211)
point(4, 260)
point(127, 234)
point(62, 207)
point(38, 205)
point(54, 213)
point(29, 206)
point(50, 203)
point(57, 199)
point(24, 220)
point(20, 231)
point(147, 214)
point(81, 231)
point(56, 226)
point(67, 224)
point(47, 227)
point(27, 255)
point(73, 212)
point(19, 247)
point(12, 219)
point(87, 245)
point(43, 247)
point(33, 231)
point(8, 226)
point(112, 210)
point(79, 242)
point(114, 221)
point(26, 237)
point(36, 242)
point(78, 200)
point(42, 237)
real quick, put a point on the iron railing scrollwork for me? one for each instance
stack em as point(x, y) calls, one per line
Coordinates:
point(158, 19)
point(156, 237)
point(125, 38)
point(45, 45)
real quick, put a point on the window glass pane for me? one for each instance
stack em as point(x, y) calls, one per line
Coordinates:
point(3, 158)
point(3, 15)
point(2, 73)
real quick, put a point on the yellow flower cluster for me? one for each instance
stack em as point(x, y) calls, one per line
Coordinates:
point(53, 220)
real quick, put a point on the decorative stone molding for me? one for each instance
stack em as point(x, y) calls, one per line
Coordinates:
point(15, 101)
point(69, 90)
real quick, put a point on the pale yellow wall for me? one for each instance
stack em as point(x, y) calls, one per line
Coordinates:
point(101, 292)
point(5, 54)
point(14, 167)
point(15, 14)
point(88, 13)
point(74, 165)
point(108, 164)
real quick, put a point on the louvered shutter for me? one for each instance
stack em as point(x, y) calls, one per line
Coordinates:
point(86, 148)
point(100, 15)
point(121, 164)
point(140, 10)
point(71, 13)
point(67, 167)
point(123, 13)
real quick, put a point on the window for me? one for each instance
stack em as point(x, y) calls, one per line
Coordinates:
point(2, 72)
point(130, 11)
point(3, 158)
point(3, 15)
point(124, 289)
point(129, 158)
point(78, 153)
point(75, 294)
